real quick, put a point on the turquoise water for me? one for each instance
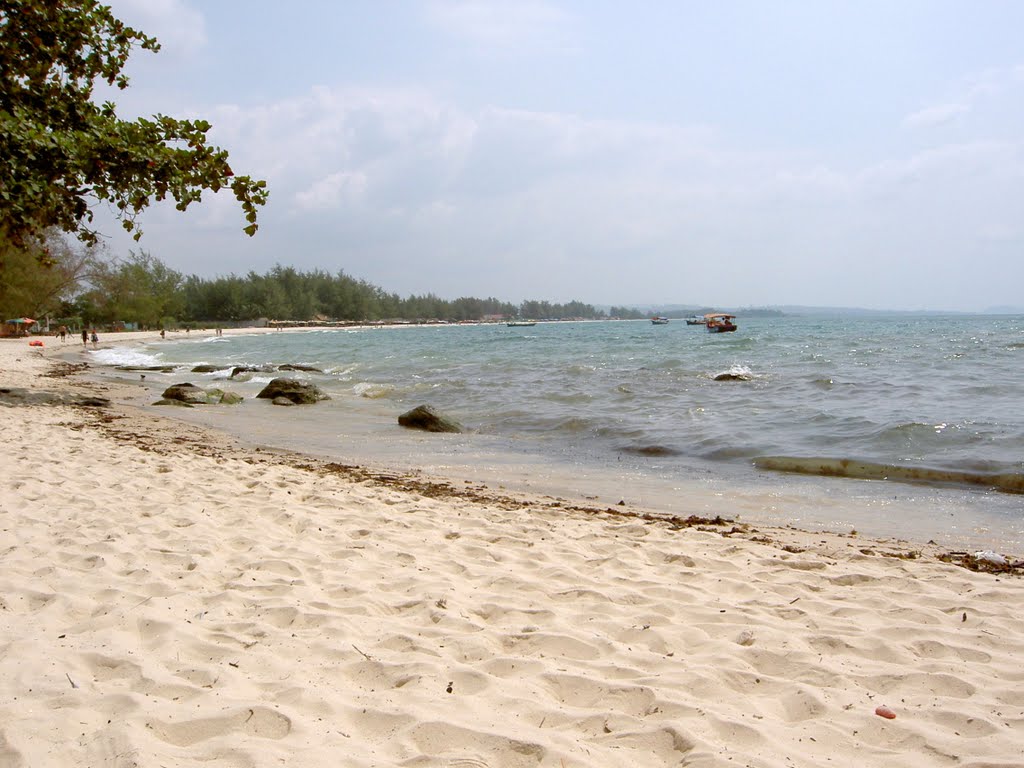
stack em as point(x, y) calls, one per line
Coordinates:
point(933, 400)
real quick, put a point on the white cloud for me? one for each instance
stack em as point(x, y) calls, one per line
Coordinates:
point(332, 191)
point(495, 25)
point(977, 92)
point(513, 201)
point(937, 115)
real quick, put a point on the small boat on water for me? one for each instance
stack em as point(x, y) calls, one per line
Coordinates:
point(521, 323)
point(695, 320)
point(659, 320)
point(719, 322)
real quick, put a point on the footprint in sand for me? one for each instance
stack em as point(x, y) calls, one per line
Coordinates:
point(437, 740)
point(257, 721)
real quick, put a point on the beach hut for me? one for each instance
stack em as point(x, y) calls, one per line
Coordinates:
point(18, 326)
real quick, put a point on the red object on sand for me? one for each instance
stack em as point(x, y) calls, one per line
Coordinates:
point(35, 343)
point(885, 712)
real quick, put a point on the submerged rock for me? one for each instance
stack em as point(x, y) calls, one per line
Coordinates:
point(178, 403)
point(650, 450)
point(426, 418)
point(293, 367)
point(733, 376)
point(299, 392)
point(250, 369)
point(206, 368)
point(160, 368)
point(281, 400)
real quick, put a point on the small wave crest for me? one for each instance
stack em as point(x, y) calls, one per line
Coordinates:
point(734, 373)
point(1008, 482)
point(122, 356)
point(373, 390)
point(580, 369)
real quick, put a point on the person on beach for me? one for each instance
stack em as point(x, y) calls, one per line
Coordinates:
point(85, 337)
point(63, 333)
point(95, 338)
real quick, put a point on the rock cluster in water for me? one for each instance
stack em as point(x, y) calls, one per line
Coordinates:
point(295, 391)
point(189, 395)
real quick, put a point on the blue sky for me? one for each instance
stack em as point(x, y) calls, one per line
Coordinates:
point(736, 154)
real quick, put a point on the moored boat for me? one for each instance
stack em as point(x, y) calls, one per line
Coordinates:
point(695, 320)
point(659, 320)
point(719, 322)
point(521, 323)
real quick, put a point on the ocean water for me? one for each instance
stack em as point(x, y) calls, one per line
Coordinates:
point(921, 416)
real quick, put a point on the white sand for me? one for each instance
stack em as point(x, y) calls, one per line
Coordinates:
point(169, 599)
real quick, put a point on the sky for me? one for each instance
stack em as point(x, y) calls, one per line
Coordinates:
point(733, 154)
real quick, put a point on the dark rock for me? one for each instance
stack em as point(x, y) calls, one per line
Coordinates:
point(178, 403)
point(13, 396)
point(426, 418)
point(250, 369)
point(299, 392)
point(206, 368)
point(650, 450)
point(187, 393)
point(730, 376)
point(281, 400)
point(231, 398)
point(161, 368)
point(291, 367)
point(90, 401)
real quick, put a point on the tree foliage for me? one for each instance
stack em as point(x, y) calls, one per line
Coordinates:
point(60, 151)
point(285, 293)
point(143, 290)
point(140, 289)
point(29, 288)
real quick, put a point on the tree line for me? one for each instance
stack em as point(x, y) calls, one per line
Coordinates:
point(79, 288)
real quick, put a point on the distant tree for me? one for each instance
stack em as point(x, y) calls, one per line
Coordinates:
point(626, 313)
point(139, 289)
point(30, 288)
point(60, 151)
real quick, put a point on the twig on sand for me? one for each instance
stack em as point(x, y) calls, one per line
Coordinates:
point(365, 655)
point(73, 683)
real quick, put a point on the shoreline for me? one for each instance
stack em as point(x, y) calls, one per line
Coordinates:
point(586, 491)
point(171, 595)
point(353, 430)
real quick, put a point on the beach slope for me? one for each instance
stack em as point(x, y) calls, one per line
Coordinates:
point(169, 597)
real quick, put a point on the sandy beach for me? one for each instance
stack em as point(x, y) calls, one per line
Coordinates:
point(172, 597)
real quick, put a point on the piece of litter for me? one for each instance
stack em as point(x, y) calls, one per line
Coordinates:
point(988, 556)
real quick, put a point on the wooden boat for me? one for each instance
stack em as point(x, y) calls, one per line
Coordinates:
point(659, 320)
point(719, 322)
point(521, 323)
point(695, 320)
